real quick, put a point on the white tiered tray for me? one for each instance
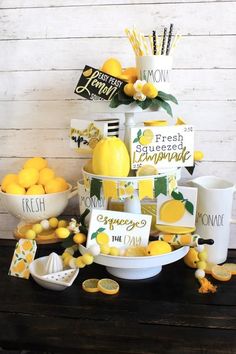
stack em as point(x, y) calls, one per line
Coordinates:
point(137, 267)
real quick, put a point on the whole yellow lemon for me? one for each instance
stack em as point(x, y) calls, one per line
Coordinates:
point(28, 177)
point(112, 66)
point(56, 185)
point(155, 248)
point(14, 188)
point(36, 162)
point(46, 175)
point(36, 189)
point(8, 179)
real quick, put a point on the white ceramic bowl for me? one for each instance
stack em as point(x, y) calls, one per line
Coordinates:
point(55, 281)
point(33, 208)
point(137, 267)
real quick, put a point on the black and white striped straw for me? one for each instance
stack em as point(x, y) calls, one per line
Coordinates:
point(169, 39)
point(163, 41)
point(154, 42)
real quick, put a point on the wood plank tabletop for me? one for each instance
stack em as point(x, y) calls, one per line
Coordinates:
point(163, 314)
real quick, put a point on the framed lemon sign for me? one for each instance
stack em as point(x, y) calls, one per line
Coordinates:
point(162, 146)
point(177, 209)
point(118, 229)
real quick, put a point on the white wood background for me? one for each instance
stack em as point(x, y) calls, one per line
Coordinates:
point(44, 44)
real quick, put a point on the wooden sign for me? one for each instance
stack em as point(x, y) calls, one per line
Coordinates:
point(118, 228)
point(177, 209)
point(97, 85)
point(171, 146)
point(23, 255)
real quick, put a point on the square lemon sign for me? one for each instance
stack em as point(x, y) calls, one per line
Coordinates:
point(171, 146)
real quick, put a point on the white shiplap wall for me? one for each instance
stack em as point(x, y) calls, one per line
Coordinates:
point(44, 44)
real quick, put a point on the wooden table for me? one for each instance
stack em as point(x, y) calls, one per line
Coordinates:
point(164, 314)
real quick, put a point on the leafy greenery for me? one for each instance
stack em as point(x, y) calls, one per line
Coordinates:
point(154, 103)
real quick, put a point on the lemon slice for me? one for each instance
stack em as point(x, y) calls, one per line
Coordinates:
point(218, 272)
point(175, 229)
point(90, 285)
point(231, 267)
point(138, 251)
point(209, 266)
point(108, 286)
point(147, 170)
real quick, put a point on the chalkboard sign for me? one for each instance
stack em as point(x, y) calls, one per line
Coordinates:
point(97, 85)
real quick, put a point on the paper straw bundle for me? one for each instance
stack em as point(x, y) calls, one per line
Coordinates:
point(157, 45)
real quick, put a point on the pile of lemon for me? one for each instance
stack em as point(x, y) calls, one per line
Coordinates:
point(35, 178)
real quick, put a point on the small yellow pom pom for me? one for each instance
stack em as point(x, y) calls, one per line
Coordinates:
point(37, 228)
point(30, 234)
point(87, 258)
point(53, 222)
point(129, 90)
point(149, 90)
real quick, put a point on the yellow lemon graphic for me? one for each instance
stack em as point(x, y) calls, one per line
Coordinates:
point(93, 142)
point(19, 267)
point(29, 257)
point(172, 211)
point(27, 245)
point(102, 238)
point(145, 140)
point(146, 170)
point(148, 133)
point(87, 73)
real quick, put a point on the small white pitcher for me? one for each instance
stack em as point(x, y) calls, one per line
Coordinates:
point(213, 217)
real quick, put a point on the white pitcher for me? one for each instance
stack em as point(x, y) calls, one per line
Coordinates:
point(213, 217)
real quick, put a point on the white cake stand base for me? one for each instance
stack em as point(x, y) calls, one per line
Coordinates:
point(135, 273)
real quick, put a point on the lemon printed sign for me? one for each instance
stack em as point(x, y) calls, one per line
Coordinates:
point(23, 255)
point(118, 229)
point(178, 209)
point(97, 85)
point(171, 146)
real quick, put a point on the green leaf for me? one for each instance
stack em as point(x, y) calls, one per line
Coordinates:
point(114, 102)
point(167, 97)
point(135, 140)
point(101, 229)
point(177, 195)
point(123, 98)
point(139, 133)
point(189, 207)
point(94, 235)
point(144, 104)
point(155, 104)
point(165, 106)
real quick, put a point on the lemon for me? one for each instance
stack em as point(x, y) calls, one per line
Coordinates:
point(87, 258)
point(88, 167)
point(220, 273)
point(155, 248)
point(114, 251)
point(30, 234)
point(148, 133)
point(112, 67)
point(79, 238)
point(108, 286)
point(62, 223)
point(105, 249)
point(149, 90)
point(191, 258)
point(172, 211)
point(88, 72)
point(67, 260)
point(27, 177)
point(138, 251)
point(102, 238)
point(8, 179)
point(36, 189)
point(53, 222)
point(62, 232)
point(129, 90)
point(198, 155)
point(56, 185)
point(46, 175)
point(90, 285)
point(231, 267)
point(145, 140)
point(146, 170)
point(131, 74)
point(37, 228)
point(14, 188)
point(36, 162)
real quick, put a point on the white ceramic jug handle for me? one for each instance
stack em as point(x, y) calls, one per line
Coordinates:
point(233, 221)
point(74, 192)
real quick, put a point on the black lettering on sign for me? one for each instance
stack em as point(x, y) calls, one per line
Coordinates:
point(96, 85)
point(210, 219)
point(33, 205)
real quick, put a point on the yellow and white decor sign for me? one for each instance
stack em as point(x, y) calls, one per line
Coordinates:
point(23, 255)
point(118, 229)
point(171, 146)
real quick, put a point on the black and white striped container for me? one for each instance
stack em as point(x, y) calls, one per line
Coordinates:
point(112, 126)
